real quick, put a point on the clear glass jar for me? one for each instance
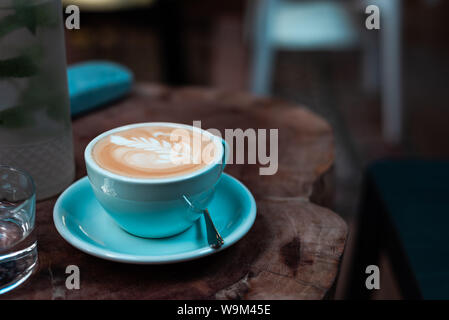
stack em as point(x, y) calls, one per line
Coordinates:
point(35, 126)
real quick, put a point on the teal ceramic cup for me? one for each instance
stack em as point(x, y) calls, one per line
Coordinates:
point(155, 208)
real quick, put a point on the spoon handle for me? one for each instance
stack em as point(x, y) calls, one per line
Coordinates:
point(213, 236)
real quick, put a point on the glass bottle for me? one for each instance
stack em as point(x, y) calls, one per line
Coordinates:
point(35, 125)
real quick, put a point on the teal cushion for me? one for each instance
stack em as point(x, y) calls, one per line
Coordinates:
point(416, 196)
point(95, 83)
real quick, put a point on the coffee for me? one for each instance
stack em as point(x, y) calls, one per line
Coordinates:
point(156, 151)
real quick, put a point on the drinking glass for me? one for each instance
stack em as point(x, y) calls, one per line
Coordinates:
point(18, 245)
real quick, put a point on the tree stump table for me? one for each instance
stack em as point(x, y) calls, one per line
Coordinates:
point(293, 250)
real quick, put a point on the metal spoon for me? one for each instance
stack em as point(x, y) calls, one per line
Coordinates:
point(213, 236)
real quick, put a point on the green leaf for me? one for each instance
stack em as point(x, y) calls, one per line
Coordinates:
point(32, 16)
point(15, 117)
point(9, 24)
point(19, 67)
point(25, 65)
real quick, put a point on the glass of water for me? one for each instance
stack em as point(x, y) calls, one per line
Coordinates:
point(18, 245)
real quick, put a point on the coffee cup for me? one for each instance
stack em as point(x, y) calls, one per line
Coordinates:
point(143, 192)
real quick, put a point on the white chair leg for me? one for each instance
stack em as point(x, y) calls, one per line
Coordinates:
point(370, 65)
point(390, 32)
point(263, 51)
point(262, 70)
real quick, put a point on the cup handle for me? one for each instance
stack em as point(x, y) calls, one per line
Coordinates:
point(223, 165)
point(223, 159)
point(213, 236)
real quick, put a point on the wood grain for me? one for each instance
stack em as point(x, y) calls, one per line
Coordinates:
point(294, 248)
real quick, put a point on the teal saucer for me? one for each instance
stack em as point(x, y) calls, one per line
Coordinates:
point(81, 220)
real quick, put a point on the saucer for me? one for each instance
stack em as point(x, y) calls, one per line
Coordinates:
point(83, 222)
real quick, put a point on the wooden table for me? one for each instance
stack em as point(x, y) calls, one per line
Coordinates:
point(293, 250)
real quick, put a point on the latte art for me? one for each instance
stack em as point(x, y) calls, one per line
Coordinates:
point(155, 151)
point(163, 152)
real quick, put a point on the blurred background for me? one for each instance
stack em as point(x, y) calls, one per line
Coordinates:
point(383, 91)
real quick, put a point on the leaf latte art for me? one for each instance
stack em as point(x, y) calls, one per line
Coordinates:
point(155, 151)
